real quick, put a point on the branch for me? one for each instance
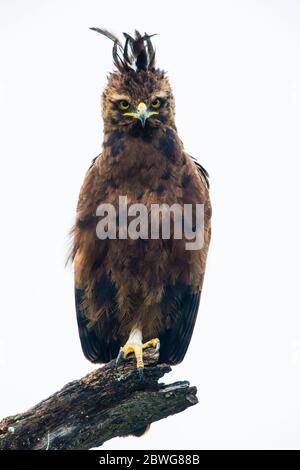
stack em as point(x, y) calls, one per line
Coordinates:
point(106, 403)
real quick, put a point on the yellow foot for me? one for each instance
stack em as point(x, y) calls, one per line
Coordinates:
point(153, 343)
point(137, 350)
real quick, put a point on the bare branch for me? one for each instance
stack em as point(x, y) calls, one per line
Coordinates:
point(106, 403)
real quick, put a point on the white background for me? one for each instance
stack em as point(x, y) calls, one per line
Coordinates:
point(235, 71)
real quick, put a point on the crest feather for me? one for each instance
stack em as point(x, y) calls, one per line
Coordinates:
point(137, 54)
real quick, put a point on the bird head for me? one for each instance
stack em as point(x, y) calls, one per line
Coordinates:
point(137, 96)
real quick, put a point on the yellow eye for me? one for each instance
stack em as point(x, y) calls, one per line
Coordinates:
point(123, 105)
point(156, 103)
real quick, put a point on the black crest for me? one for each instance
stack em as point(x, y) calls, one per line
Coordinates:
point(136, 54)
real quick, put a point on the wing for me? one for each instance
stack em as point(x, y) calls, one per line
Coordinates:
point(201, 171)
point(180, 302)
point(97, 339)
point(94, 291)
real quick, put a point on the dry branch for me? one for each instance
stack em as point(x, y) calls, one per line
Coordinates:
point(106, 403)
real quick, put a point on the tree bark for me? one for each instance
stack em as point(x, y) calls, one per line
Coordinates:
point(108, 402)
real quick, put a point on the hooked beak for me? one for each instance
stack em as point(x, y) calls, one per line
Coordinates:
point(142, 113)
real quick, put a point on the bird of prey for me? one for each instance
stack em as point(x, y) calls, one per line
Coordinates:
point(140, 292)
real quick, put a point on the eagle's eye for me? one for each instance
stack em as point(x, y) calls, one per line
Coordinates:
point(123, 105)
point(156, 104)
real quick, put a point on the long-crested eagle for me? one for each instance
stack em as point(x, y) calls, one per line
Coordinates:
point(136, 292)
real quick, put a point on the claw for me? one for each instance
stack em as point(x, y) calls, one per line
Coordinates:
point(120, 357)
point(141, 372)
point(153, 343)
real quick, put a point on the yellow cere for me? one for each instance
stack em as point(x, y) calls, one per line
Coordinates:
point(141, 113)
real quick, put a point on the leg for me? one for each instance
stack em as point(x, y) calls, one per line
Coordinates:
point(135, 345)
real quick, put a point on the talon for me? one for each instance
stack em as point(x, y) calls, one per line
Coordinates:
point(120, 357)
point(141, 372)
point(153, 343)
point(129, 348)
point(139, 357)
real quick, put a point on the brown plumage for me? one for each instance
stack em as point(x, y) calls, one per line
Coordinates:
point(150, 285)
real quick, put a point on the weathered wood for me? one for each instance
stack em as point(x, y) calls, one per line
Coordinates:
point(106, 403)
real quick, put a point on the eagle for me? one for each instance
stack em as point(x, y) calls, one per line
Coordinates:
point(133, 293)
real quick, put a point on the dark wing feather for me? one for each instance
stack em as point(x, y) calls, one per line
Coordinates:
point(97, 339)
point(180, 303)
